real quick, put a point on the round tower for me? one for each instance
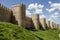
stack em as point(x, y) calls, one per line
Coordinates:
point(51, 24)
point(35, 19)
point(48, 23)
point(43, 22)
point(18, 13)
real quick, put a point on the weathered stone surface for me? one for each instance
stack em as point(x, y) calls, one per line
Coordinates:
point(51, 25)
point(27, 23)
point(5, 15)
point(35, 19)
point(19, 13)
point(58, 26)
point(55, 26)
point(48, 23)
point(43, 22)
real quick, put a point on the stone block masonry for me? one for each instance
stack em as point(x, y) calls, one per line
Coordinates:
point(35, 19)
point(17, 15)
point(48, 24)
point(58, 26)
point(43, 23)
point(18, 12)
point(5, 14)
point(51, 25)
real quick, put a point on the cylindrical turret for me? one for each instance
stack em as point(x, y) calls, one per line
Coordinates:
point(18, 13)
point(35, 19)
point(48, 23)
point(43, 22)
point(51, 24)
point(56, 26)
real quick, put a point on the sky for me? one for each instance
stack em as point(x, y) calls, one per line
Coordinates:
point(49, 9)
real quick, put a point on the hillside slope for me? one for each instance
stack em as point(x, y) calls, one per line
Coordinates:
point(10, 31)
point(47, 34)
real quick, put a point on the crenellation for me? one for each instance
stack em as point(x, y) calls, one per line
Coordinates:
point(17, 15)
point(4, 14)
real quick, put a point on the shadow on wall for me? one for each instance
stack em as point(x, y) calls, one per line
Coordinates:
point(13, 19)
point(47, 27)
point(27, 23)
point(40, 26)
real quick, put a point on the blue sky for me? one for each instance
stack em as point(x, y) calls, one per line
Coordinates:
point(50, 9)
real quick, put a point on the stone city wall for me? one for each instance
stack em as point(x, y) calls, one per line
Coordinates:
point(35, 19)
point(43, 22)
point(48, 23)
point(5, 14)
point(27, 23)
point(17, 15)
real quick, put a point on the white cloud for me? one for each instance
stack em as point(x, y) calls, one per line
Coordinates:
point(40, 6)
point(28, 13)
point(55, 15)
point(42, 16)
point(31, 6)
point(38, 11)
point(49, 19)
point(49, 2)
point(50, 10)
point(37, 8)
point(53, 6)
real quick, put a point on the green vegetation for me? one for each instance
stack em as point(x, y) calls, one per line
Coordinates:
point(47, 34)
point(10, 31)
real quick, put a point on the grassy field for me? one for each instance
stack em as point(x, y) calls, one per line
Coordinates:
point(10, 31)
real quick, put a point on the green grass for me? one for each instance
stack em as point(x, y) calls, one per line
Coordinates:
point(47, 34)
point(10, 31)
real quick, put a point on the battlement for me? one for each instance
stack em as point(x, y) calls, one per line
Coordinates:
point(17, 15)
point(4, 8)
point(5, 13)
point(17, 5)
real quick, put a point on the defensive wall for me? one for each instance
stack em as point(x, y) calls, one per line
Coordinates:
point(17, 15)
point(5, 13)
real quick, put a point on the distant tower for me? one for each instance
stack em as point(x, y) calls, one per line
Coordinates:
point(55, 25)
point(35, 19)
point(51, 24)
point(48, 23)
point(58, 26)
point(43, 22)
point(18, 13)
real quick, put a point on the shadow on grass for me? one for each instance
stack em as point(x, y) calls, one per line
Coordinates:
point(38, 37)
